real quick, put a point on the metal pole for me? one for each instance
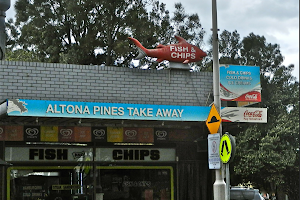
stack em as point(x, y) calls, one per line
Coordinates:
point(227, 181)
point(219, 185)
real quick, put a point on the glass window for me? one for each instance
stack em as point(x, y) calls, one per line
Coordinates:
point(77, 182)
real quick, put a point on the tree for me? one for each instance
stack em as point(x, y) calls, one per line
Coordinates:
point(256, 51)
point(229, 50)
point(96, 32)
point(21, 55)
point(229, 47)
point(78, 31)
point(265, 153)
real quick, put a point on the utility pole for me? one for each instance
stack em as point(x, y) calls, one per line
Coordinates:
point(219, 185)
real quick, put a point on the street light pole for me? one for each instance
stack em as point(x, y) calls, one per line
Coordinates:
point(219, 185)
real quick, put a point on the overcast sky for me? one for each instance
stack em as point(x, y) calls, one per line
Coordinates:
point(277, 20)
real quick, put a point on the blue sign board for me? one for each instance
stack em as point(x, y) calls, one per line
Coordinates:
point(240, 83)
point(42, 108)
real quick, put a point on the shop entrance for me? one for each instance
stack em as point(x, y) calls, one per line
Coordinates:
point(88, 183)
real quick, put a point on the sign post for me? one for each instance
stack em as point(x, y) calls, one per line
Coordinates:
point(219, 184)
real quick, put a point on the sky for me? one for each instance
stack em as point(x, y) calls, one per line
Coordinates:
point(276, 20)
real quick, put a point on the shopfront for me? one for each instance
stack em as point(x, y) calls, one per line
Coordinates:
point(131, 160)
point(111, 175)
point(89, 132)
point(121, 161)
point(94, 163)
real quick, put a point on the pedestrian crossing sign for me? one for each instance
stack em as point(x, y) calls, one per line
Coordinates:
point(227, 148)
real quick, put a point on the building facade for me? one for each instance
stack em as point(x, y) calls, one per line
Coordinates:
point(93, 132)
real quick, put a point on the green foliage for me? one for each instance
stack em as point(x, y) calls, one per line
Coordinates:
point(78, 31)
point(21, 55)
point(229, 50)
point(229, 47)
point(266, 152)
point(257, 52)
point(96, 32)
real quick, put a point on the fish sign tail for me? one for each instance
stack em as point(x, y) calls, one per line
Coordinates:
point(142, 50)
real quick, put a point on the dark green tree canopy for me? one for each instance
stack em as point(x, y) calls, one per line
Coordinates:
point(266, 154)
point(96, 32)
point(77, 31)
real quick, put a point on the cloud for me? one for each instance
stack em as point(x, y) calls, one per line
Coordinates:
point(277, 20)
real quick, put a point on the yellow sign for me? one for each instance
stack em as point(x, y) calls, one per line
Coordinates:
point(227, 148)
point(65, 187)
point(49, 133)
point(213, 120)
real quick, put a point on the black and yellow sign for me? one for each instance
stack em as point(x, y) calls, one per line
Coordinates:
point(227, 148)
point(65, 187)
point(213, 120)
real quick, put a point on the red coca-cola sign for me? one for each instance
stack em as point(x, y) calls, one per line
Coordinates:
point(256, 113)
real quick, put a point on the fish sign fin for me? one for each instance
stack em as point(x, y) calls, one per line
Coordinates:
point(141, 55)
point(160, 60)
point(180, 39)
point(186, 61)
point(160, 46)
point(142, 50)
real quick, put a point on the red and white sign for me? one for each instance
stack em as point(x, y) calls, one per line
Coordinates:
point(182, 52)
point(244, 114)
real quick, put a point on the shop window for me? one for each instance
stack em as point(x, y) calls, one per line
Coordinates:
point(85, 183)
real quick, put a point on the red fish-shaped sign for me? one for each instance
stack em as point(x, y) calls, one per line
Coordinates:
point(182, 52)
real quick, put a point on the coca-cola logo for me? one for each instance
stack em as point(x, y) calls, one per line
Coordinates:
point(1, 130)
point(257, 113)
point(251, 96)
point(66, 132)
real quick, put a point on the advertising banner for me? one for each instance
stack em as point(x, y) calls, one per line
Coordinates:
point(82, 134)
point(45, 154)
point(32, 133)
point(118, 154)
point(244, 114)
point(99, 134)
point(49, 133)
point(240, 83)
point(42, 108)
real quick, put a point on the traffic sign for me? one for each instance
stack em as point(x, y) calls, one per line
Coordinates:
point(227, 148)
point(213, 120)
point(214, 161)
